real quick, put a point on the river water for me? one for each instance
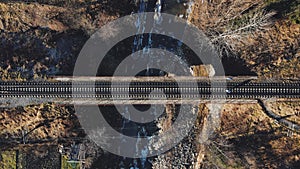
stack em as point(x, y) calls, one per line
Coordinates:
point(141, 43)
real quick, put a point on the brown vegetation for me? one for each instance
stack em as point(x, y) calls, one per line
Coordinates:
point(269, 46)
point(34, 124)
point(247, 137)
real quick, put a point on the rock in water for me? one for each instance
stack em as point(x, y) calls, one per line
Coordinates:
point(1, 25)
point(203, 70)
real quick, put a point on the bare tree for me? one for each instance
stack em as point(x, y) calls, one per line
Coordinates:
point(228, 22)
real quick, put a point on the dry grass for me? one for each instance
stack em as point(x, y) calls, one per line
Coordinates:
point(251, 139)
point(38, 122)
point(275, 53)
point(269, 46)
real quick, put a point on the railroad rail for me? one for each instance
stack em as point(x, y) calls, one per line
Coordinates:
point(159, 90)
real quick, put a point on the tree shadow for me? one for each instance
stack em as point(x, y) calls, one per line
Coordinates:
point(236, 67)
point(282, 7)
point(259, 146)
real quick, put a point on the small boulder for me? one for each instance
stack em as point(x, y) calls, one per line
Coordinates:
point(203, 70)
point(1, 25)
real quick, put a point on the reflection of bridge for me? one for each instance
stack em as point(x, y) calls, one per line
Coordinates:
point(144, 90)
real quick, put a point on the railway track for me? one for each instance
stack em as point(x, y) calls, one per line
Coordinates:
point(154, 90)
point(150, 91)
